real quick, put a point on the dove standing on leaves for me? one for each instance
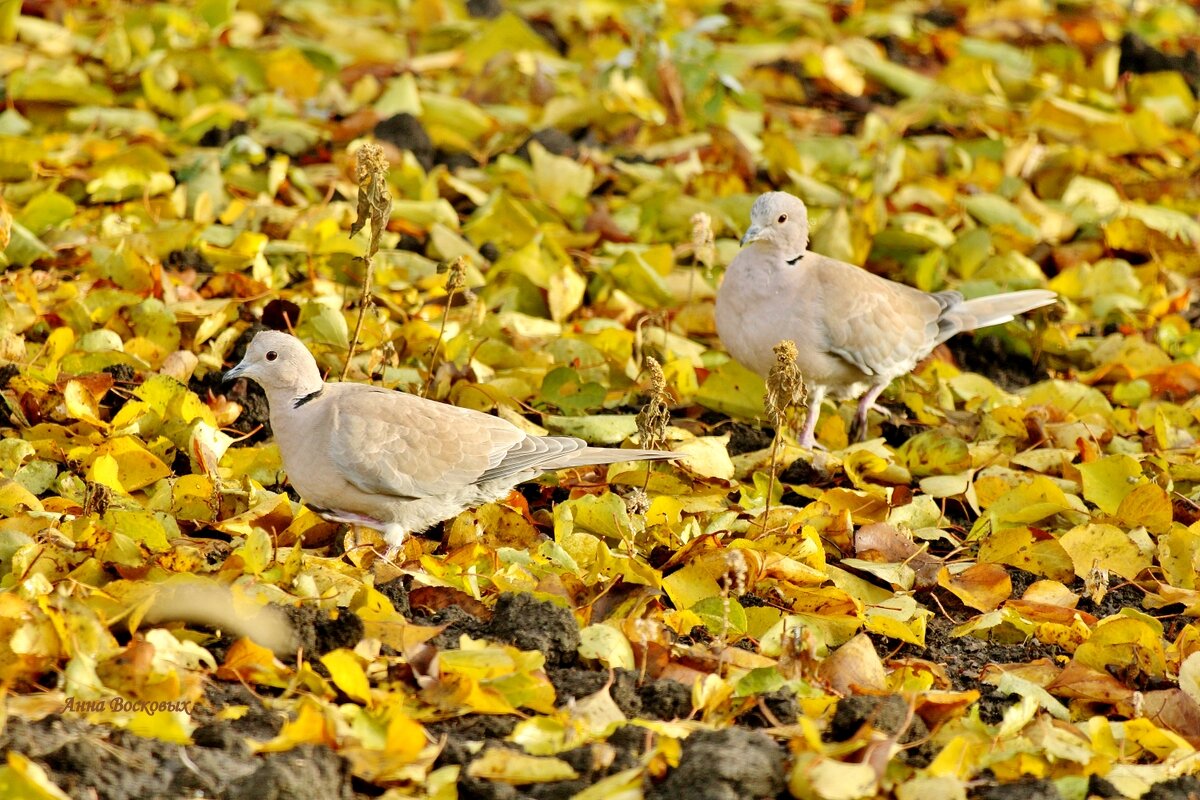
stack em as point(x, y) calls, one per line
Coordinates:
point(391, 461)
point(854, 331)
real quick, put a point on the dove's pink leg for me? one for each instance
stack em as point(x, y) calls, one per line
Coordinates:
point(858, 431)
point(815, 398)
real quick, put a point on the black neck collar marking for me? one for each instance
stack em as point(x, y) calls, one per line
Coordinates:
point(792, 261)
point(313, 396)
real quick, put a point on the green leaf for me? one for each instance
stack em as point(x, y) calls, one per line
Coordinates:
point(563, 388)
point(734, 390)
point(723, 616)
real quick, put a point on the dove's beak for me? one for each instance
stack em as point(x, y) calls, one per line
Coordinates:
point(236, 372)
point(752, 234)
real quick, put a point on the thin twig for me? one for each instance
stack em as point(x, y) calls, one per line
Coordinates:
point(456, 278)
point(375, 204)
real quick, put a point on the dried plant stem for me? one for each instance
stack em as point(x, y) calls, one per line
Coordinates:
point(771, 479)
point(785, 390)
point(364, 301)
point(654, 416)
point(703, 248)
point(456, 278)
point(375, 204)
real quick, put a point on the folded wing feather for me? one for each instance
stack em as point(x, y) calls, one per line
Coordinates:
point(390, 443)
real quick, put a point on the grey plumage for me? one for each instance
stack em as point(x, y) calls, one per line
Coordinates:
point(855, 332)
point(392, 461)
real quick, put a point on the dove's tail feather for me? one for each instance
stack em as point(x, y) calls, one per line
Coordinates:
point(992, 310)
point(591, 456)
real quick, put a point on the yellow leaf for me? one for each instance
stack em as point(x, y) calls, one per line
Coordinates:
point(168, 726)
point(1129, 641)
point(288, 70)
point(815, 777)
point(511, 766)
point(693, 583)
point(898, 618)
point(347, 673)
point(934, 453)
point(1189, 677)
point(1145, 738)
point(932, 788)
point(734, 390)
point(193, 497)
point(136, 466)
point(607, 645)
point(1027, 502)
point(311, 726)
point(1100, 546)
point(405, 737)
point(623, 785)
point(707, 456)
point(104, 471)
point(492, 679)
point(982, 586)
point(252, 663)
point(1022, 548)
point(562, 182)
point(256, 551)
point(82, 404)
point(15, 498)
point(1106, 481)
point(862, 507)
point(1146, 505)
point(958, 758)
point(841, 73)
point(23, 779)
point(596, 714)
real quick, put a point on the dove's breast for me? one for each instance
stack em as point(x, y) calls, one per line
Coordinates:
point(759, 307)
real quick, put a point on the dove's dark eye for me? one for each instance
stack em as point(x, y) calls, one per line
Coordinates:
point(782, 218)
point(272, 355)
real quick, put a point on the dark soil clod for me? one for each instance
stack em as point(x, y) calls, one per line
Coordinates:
point(407, 133)
point(531, 624)
point(729, 764)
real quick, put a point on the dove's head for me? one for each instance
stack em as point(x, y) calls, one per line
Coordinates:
point(780, 221)
point(279, 363)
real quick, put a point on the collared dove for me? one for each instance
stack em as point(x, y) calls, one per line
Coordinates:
point(854, 331)
point(395, 462)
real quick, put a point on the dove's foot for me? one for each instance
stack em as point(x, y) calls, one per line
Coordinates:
point(812, 444)
point(858, 428)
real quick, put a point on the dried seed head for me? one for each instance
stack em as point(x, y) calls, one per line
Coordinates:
point(785, 385)
point(704, 249)
point(374, 198)
point(1095, 583)
point(738, 574)
point(654, 417)
point(456, 275)
point(637, 502)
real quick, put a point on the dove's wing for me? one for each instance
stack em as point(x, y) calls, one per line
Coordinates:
point(391, 443)
point(880, 326)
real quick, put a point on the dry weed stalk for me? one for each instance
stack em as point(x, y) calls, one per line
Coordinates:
point(704, 247)
point(785, 392)
point(653, 418)
point(734, 584)
point(375, 204)
point(655, 415)
point(456, 279)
